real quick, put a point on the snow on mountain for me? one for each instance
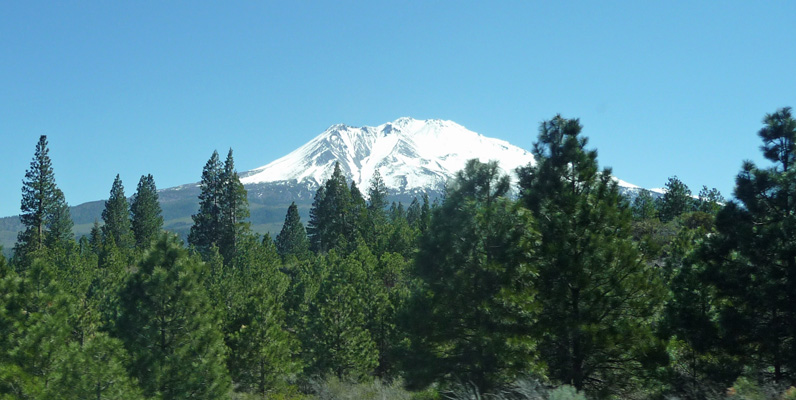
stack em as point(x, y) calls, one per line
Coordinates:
point(409, 154)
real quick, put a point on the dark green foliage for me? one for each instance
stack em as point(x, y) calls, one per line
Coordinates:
point(116, 217)
point(93, 370)
point(598, 295)
point(413, 213)
point(34, 322)
point(389, 293)
point(169, 328)
point(234, 211)
point(223, 210)
point(676, 201)
point(95, 238)
point(263, 352)
point(336, 340)
point(45, 214)
point(752, 258)
point(710, 200)
point(332, 222)
point(206, 229)
point(644, 206)
point(472, 313)
point(425, 214)
point(292, 240)
point(147, 221)
point(377, 194)
point(697, 364)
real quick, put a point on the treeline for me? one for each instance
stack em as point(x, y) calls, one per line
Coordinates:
point(568, 285)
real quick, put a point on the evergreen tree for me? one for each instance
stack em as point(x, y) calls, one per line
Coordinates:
point(425, 214)
point(206, 229)
point(360, 215)
point(263, 352)
point(292, 240)
point(597, 293)
point(45, 214)
point(34, 323)
point(471, 316)
point(336, 339)
point(413, 213)
point(676, 200)
point(169, 328)
point(234, 207)
point(697, 363)
point(377, 193)
point(93, 370)
point(147, 221)
point(95, 238)
point(116, 217)
point(752, 258)
point(710, 200)
point(644, 206)
point(332, 223)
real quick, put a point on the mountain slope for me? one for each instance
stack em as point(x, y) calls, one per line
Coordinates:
point(410, 154)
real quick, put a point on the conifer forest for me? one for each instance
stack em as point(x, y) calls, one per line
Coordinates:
point(553, 285)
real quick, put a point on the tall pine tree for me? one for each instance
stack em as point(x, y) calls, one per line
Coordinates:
point(169, 327)
point(472, 314)
point(598, 294)
point(752, 259)
point(45, 214)
point(206, 229)
point(676, 201)
point(116, 217)
point(147, 221)
point(332, 224)
point(292, 240)
point(234, 211)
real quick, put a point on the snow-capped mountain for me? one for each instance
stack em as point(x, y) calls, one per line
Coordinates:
point(412, 156)
point(409, 154)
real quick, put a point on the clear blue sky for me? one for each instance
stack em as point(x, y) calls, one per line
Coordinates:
point(662, 88)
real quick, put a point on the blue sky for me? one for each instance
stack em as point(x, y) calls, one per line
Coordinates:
point(661, 88)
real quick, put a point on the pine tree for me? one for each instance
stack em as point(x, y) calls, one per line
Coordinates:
point(93, 370)
point(95, 238)
point(413, 213)
point(644, 206)
point(45, 214)
point(234, 207)
point(710, 200)
point(292, 240)
point(169, 327)
point(597, 293)
point(336, 339)
point(332, 223)
point(425, 214)
point(147, 221)
point(34, 327)
point(475, 297)
point(206, 229)
point(263, 352)
point(377, 194)
point(116, 217)
point(752, 258)
point(676, 201)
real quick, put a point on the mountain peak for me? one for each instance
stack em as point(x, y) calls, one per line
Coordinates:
point(410, 154)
